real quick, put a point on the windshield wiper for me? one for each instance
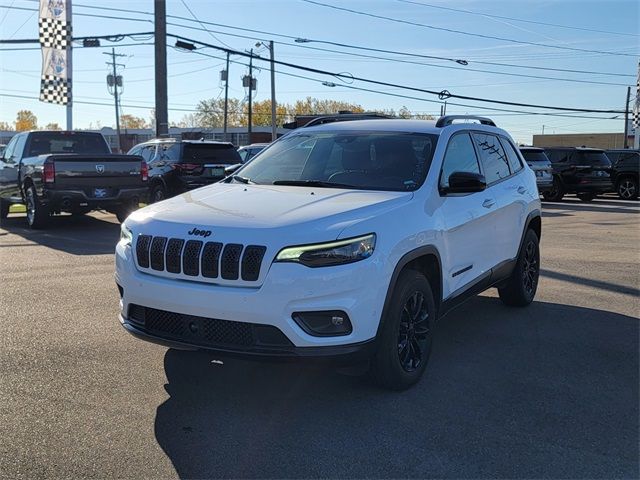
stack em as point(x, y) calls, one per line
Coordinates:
point(312, 183)
point(240, 179)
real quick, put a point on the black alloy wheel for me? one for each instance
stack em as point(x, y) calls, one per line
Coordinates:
point(628, 189)
point(414, 334)
point(530, 268)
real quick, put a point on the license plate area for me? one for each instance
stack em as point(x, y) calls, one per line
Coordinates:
point(100, 192)
point(214, 171)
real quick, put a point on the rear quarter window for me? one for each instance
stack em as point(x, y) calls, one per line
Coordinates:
point(210, 153)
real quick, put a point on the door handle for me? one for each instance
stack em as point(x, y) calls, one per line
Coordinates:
point(522, 190)
point(488, 203)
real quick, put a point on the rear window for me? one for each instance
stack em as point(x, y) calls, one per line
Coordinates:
point(593, 158)
point(66, 142)
point(210, 153)
point(534, 156)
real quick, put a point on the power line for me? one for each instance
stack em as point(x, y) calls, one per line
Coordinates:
point(460, 32)
point(584, 29)
point(357, 47)
point(443, 95)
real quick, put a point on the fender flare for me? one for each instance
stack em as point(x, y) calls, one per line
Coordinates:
point(533, 214)
point(403, 262)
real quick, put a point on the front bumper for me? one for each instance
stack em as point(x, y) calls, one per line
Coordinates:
point(339, 354)
point(357, 289)
point(80, 198)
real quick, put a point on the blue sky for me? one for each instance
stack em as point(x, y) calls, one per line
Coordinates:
point(193, 77)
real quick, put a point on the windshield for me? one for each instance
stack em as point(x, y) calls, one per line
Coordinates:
point(534, 156)
point(42, 143)
point(361, 160)
point(219, 154)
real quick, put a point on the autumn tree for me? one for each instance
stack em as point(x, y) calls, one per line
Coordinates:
point(131, 121)
point(210, 113)
point(52, 126)
point(314, 106)
point(261, 114)
point(6, 127)
point(26, 120)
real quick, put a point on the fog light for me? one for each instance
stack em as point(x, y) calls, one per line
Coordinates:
point(331, 323)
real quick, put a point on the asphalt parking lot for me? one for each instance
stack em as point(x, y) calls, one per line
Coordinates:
point(546, 391)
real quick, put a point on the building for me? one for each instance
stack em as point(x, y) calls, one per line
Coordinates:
point(593, 140)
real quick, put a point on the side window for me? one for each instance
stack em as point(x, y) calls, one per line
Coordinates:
point(512, 156)
point(148, 153)
point(459, 157)
point(19, 148)
point(494, 160)
point(8, 153)
point(134, 151)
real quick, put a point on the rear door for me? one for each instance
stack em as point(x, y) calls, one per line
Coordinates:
point(468, 220)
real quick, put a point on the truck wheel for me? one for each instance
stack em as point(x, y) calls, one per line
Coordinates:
point(627, 188)
point(556, 192)
point(586, 197)
point(157, 194)
point(37, 214)
point(520, 288)
point(4, 209)
point(404, 342)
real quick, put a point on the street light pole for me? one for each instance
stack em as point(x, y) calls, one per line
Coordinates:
point(274, 128)
point(250, 89)
point(226, 98)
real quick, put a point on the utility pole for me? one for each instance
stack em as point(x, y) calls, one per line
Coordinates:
point(250, 91)
point(160, 23)
point(543, 129)
point(226, 97)
point(626, 118)
point(69, 16)
point(115, 81)
point(274, 128)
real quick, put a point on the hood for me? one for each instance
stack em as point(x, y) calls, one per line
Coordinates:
point(232, 209)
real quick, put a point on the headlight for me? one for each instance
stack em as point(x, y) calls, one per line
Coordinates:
point(125, 235)
point(327, 254)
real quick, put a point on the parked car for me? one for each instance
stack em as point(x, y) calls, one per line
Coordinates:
point(583, 171)
point(177, 166)
point(625, 173)
point(249, 151)
point(344, 241)
point(541, 166)
point(68, 171)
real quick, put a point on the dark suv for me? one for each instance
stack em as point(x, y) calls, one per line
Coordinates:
point(583, 171)
point(626, 170)
point(177, 166)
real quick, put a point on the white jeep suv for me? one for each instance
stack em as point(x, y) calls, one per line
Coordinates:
point(346, 240)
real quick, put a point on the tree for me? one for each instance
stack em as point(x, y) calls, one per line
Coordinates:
point(261, 114)
point(210, 113)
point(130, 121)
point(26, 120)
point(52, 126)
point(6, 127)
point(314, 106)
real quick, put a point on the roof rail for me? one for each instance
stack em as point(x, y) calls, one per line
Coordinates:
point(342, 117)
point(448, 120)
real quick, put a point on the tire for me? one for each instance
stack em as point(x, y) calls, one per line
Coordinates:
point(4, 209)
point(556, 193)
point(586, 197)
point(37, 214)
point(405, 337)
point(122, 214)
point(627, 188)
point(158, 193)
point(520, 288)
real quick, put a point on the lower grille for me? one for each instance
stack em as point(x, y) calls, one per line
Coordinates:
point(207, 332)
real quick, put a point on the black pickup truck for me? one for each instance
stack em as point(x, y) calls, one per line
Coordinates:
point(69, 171)
point(626, 172)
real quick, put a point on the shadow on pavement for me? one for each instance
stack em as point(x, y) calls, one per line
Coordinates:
point(590, 282)
point(604, 206)
point(77, 235)
point(546, 391)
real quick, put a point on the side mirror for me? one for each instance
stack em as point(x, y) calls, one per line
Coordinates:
point(465, 182)
point(231, 169)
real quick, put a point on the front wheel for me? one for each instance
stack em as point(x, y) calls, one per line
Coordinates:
point(404, 342)
point(37, 214)
point(520, 289)
point(158, 194)
point(4, 209)
point(627, 188)
point(556, 193)
point(586, 197)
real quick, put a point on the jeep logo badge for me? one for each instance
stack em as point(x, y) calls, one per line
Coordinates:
point(100, 168)
point(200, 233)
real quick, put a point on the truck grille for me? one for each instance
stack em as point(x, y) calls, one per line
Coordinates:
point(207, 332)
point(196, 258)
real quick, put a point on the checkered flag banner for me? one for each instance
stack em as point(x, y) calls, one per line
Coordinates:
point(55, 90)
point(636, 105)
point(54, 33)
point(54, 27)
